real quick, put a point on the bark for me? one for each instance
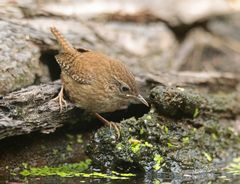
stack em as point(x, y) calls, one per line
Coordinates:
point(32, 109)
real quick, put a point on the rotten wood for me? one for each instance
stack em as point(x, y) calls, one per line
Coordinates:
point(32, 109)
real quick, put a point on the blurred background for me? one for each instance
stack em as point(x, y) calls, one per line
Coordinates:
point(169, 42)
point(149, 36)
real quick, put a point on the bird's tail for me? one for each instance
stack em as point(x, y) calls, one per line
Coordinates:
point(65, 45)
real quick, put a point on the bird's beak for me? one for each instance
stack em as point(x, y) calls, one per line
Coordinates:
point(141, 99)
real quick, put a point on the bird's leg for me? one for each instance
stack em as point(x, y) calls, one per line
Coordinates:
point(60, 99)
point(109, 123)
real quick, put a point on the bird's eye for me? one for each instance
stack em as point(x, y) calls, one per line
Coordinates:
point(125, 88)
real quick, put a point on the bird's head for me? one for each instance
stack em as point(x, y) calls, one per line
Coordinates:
point(124, 85)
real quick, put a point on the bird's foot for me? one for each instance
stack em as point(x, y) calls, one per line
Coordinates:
point(62, 102)
point(115, 126)
point(111, 124)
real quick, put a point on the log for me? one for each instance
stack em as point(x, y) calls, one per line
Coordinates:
point(32, 109)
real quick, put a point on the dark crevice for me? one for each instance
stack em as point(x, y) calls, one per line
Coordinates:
point(182, 30)
point(134, 110)
point(92, 123)
point(48, 58)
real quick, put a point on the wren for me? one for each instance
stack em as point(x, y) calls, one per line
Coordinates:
point(94, 81)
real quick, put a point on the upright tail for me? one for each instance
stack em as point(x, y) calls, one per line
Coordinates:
point(65, 45)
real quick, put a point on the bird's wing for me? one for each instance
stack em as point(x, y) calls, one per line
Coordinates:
point(73, 67)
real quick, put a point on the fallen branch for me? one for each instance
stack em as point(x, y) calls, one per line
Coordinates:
point(32, 108)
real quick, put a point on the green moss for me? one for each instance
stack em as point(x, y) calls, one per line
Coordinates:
point(25, 165)
point(175, 102)
point(66, 170)
point(158, 162)
point(123, 174)
point(79, 139)
point(165, 129)
point(214, 136)
point(185, 140)
point(148, 117)
point(102, 175)
point(119, 146)
point(142, 131)
point(234, 167)
point(72, 170)
point(147, 144)
point(69, 148)
point(207, 155)
point(55, 151)
point(182, 142)
point(170, 145)
point(196, 113)
point(135, 145)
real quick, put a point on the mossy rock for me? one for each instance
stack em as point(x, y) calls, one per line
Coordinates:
point(160, 143)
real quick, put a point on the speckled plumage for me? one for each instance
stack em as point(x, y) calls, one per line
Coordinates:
point(88, 78)
point(94, 81)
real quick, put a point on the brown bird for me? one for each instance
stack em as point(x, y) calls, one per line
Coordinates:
point(94, 81)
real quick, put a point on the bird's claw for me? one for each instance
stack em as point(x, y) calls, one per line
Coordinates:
point(116, 127)
point(111, 124)
point(62, 102)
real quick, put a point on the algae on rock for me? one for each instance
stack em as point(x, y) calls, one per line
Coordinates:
point(178, 134)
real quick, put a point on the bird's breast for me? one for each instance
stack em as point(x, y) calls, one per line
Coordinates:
point(93, 97)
